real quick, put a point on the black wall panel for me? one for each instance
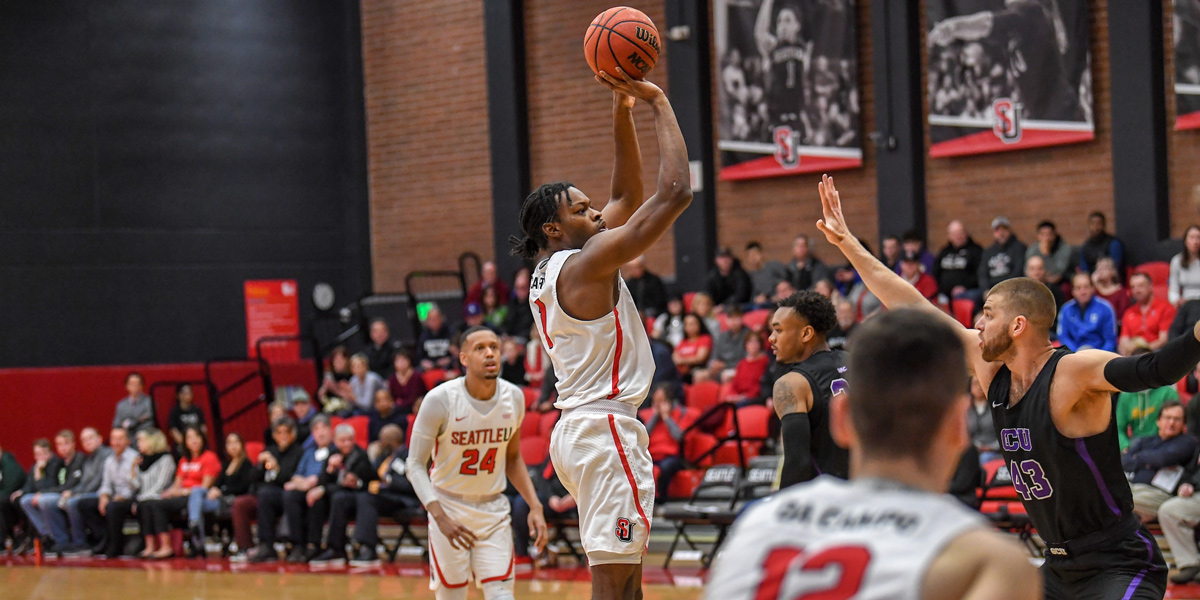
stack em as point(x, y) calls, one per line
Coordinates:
point(153, 156)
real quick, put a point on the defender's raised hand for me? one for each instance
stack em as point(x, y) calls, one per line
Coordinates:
point(833, 225)
point(625, 84)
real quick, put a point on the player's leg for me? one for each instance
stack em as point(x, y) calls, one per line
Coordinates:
point(449, 567)
point(1147, 499)
point(617, 581)
point(492, 557)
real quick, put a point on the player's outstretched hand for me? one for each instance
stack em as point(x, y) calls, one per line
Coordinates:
point(625, 84)
point(833, 225)
point(537, 529)
point(460, 537)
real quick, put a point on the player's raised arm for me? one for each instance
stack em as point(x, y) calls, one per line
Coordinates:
point(604, 253)
point(627, 190)
point(1102, 371)
point(762, 29)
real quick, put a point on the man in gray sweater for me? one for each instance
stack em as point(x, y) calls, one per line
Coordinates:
point(86, 488)
point(115, 485)
point(136, 411)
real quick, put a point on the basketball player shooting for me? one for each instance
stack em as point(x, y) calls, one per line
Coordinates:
point(595, 339)
point(1052, 411)
point(471, 427)
point(891, 532)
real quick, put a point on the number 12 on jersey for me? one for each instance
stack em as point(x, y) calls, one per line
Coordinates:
point(849, 563)
point(471, 457)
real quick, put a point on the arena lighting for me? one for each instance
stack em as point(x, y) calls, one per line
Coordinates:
point(323, 296)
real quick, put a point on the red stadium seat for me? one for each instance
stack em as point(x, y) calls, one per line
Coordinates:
point(727, 454)
point(531, 396)
point(535, 450)
point(361, 425)
point(687, 301)
point(756, 320)
point(1159, 272)
point(697, 443)
point(685, 483)
point(408, 432)
point(964, 309)
point(722, 321)
point(701, 396)
point(433, 377)
point(546, 423)
point(531, 425)
point(754, 422)
point(253, 449)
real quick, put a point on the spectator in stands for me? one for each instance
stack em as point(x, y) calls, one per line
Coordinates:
point(1002, 260)
point(275, 411)
point(1035, 268)
point(669, 325)
point(116, 485)
point(914, 243)
point(910, 270)
point(512, 362)
point(1170, 448)
point(744, 386)
point(473, 316)
point(979, 425)
point(805, 268)
point(406, 383)
point(702, 306)
point(764, 274)
point(42, 474)
point(86, 489)
point(956, 267)
point(1138, 413)
point(665, 371)
point(647, 289)
point(276, 469)
point(42, 508)
point(727, 283)
point(728, 344)
point(839, 336)
point(302, 409)
point(384, 413)
point(537, 360)
point(495, 313)
point(434, 341)
point(381, 349)
point(1108, 286)
point(386, 492)
point(1178, 518)
point(1100, 244)
point(185, 414)
point(234, 480)
point(890, 252)
point(490, 279)
point(136, 411)
point(519, 319)
point(346, 471)
point(1147, 322)
point(1057, 256)
point(336, 381)
point(665, 422)
point(783, 289)
point(197, 470)
point(691, 354)
point(153, 475)
point(305, 520)
point(555, 498)
point(827, 288)
point(363, 384)
point(1087, 321)
point(1184, 282)
point(12, 479)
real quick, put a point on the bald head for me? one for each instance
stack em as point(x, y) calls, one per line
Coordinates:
point(956, 233)
point(391, 436)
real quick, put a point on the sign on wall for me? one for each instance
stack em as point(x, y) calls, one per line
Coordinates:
point(1187, 64)
point(1008, 74)
point(787, 94)
point(272, 309)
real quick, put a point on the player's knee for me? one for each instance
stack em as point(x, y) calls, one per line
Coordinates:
point(498, 590)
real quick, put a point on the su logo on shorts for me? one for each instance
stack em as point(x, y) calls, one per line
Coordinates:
point(1006, 120)
point(624, 529)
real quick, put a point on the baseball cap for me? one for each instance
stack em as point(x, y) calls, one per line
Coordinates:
point(911, 257)
point(1001, 221)
point(473, 309)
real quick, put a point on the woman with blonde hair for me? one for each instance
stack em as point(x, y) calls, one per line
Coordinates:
point(153, 472)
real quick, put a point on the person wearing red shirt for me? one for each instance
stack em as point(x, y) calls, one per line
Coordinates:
point(910, 270)
point(665, 422)
point(197, 468)
point(1147, 321)
point(746, 385)
point(692, 353)
point(489, 278)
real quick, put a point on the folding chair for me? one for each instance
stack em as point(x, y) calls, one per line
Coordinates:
point(712, 504)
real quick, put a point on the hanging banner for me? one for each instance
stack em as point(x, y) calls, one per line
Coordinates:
point(272, 309)
point(1008, 74)
point(787, 87)
point(1187, 64)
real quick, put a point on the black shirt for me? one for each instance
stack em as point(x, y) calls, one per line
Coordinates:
point(182, 418)
point(237, 484)
point(288, 460)
point(837, 337)
point(826, 375)
point(380, 358)
point(648, 292)
point(732, 288)
point(957, 266)
point(1070, 487)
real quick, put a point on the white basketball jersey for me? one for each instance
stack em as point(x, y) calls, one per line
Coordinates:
point(863, 539)
point(604, 359)
point(469, 457)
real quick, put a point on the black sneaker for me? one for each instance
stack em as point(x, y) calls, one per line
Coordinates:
point(329, 558)
point(75, 551)
point(263, 554)
point(299, 555)
point(1185, 574)
point(365, 557)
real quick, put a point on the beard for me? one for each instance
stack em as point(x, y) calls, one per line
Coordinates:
point(994, 348)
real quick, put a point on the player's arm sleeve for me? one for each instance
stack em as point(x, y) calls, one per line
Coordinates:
point(795, 431)
point(431, 421)
point(1154, 370)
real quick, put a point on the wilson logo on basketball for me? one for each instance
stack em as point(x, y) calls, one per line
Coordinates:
point(649, 38)
point(1006, 120)
point(624, 530)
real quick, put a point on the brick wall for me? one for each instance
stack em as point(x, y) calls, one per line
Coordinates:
point(420, 113)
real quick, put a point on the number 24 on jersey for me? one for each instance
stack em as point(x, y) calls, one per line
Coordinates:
point(471, 459)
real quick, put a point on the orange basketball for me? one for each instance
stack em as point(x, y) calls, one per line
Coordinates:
point(621, 37)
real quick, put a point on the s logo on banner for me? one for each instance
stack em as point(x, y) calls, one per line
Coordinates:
point(624, 530)
point(787, 147)
point(1006, 120)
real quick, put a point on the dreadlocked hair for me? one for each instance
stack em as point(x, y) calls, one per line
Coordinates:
point(539, 208)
